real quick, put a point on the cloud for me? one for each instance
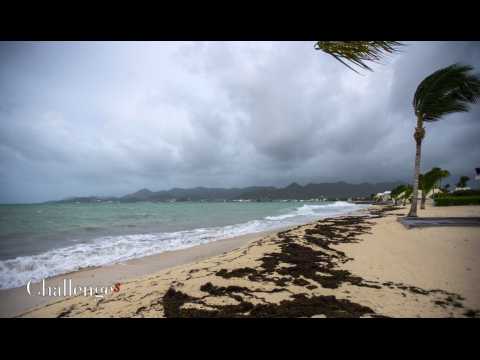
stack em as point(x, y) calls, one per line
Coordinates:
point(100, 118)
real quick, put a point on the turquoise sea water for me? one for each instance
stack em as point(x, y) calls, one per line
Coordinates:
point(41, 240)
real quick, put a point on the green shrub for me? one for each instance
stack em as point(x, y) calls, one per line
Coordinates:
point(457, 200)
point(459, 193)
point(466, 193)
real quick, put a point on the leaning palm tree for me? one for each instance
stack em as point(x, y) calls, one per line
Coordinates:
point(428, 181)
point(358, 52)
point(441, 175)
point(446, 91)
point(396, 193)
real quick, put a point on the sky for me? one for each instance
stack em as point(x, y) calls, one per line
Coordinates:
point(110, 118)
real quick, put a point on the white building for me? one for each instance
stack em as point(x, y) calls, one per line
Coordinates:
point(383, 196)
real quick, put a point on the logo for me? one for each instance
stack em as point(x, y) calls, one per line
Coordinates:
point(68, 289)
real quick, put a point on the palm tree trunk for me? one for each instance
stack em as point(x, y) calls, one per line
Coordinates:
point(424, 198)
point(418, 136)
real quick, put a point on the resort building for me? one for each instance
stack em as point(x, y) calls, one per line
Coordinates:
point(383, 196)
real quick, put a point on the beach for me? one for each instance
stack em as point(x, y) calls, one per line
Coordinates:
point(17, 300)
point(240, 179)
point(362, 265)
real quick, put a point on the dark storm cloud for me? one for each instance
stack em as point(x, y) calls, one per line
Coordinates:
point(110, 118)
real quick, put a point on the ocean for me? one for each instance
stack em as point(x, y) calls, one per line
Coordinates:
point(44, 240)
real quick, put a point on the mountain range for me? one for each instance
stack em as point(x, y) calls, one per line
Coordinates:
point(294, 191)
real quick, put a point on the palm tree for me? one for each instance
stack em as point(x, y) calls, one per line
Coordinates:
point(463, 181)
point(396, 192)
point(358, 52)
point(442, 174)
point(428, 181)
point(446, 91)
point(401, 192)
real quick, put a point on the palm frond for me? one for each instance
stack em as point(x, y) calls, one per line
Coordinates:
point(430, 178)
point(408, 191)
point(448, 90)
point(397, 191)
point(358, 52)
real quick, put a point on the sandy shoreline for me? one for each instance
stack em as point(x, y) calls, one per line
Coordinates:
point(17, 300)
point(351, 266)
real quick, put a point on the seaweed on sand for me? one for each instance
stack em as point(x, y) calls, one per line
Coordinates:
point(306, 263)
point(311, 261)
point(300, 305)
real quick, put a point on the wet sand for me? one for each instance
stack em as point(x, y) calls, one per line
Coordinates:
point(350, 266)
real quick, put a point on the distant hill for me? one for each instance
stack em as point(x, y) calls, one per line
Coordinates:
point(294, 191)
point(194, 194)
point(140, 195)
point(339, 190)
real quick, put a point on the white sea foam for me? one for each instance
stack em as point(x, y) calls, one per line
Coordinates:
point(315, 210)
point(112, 249)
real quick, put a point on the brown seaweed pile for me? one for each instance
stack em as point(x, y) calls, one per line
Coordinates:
point(299, 306)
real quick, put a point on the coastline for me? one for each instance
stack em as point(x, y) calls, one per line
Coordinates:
point(362, 265)
point(15, 301)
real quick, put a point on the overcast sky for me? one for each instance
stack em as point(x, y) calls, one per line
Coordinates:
point(85, 118)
